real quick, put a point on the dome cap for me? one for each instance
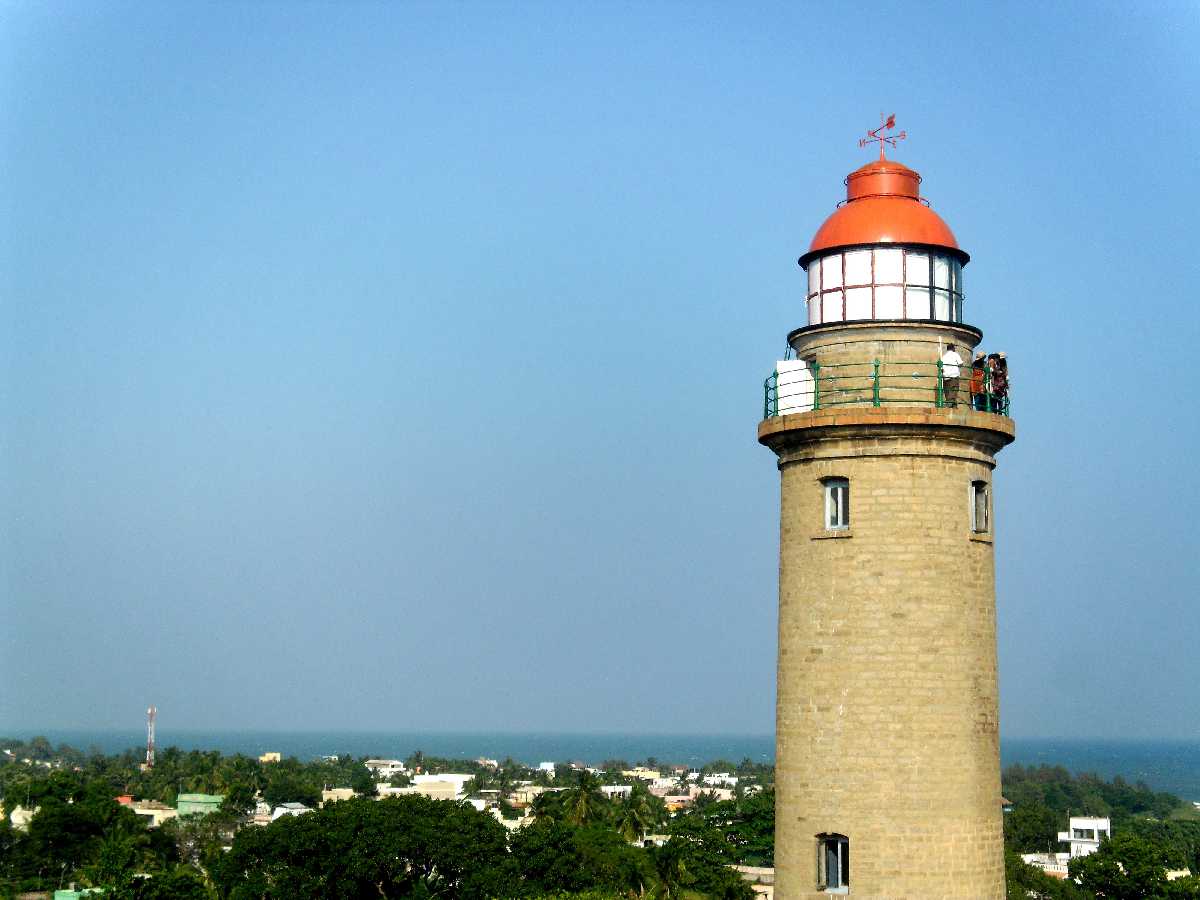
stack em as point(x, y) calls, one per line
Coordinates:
point(883, 205)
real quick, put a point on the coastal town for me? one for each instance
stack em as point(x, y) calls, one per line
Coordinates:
point(554, 826)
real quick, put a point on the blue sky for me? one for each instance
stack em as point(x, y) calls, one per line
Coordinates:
point(398, 366)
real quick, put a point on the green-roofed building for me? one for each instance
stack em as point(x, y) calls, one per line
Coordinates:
point(198, 804)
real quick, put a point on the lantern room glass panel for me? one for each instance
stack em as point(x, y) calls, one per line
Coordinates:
point(888, 266)
point(888, 302)
point(814, 277)
point(916, 303)
point(858, 267)
point(916, 268)
point(858, 303)
point(831, 272)
point(831, 306)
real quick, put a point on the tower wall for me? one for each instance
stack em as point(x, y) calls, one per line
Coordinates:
point(887, 710)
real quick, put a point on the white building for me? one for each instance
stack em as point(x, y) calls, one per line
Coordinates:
point(613, 791)
point(721, 779)
point(547, 767)
point(458, 779)
point(386, 769)
point(289, 809)
point(1085, 834)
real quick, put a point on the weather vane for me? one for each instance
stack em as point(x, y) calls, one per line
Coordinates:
point(888, 123)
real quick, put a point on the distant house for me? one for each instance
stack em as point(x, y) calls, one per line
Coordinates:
point(641, 772)
point(153, 811)
point(547, 767)
point(613, 791)
point(198, 804)
point(458, 779)
point(271, 756)
point(1085, 834)
point(289, 809)
point(386, 769)
point(333, 795)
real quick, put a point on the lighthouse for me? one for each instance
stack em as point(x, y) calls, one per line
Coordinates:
point(886, 432)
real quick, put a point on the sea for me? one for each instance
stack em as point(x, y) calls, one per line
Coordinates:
point(1172, 766)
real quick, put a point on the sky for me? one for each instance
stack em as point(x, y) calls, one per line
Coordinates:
point(397, 366)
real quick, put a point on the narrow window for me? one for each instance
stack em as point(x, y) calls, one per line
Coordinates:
point(979, 507)
point(833, 862)
point(837, 503)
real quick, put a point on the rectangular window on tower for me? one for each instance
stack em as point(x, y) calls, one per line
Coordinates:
point(980, 511)
point(837, 503)
point(833, 863)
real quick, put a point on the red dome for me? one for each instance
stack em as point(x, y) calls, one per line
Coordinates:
point(883, 206)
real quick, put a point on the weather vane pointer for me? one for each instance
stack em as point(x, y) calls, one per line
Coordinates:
point(887, 124)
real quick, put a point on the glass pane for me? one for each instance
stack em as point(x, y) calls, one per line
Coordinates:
point(845, 873)
point(814, 311)
point(858, 267)
point(887, 266)
point(941, 305)
point(814, 276)
point(916, 268)
point(831, 306)
point(831, 271)
point(858, 303)
point(831, 865)
point(957, 309)
point(956, 274)
point(887, 303)
point(917, 303)
point(941, 272)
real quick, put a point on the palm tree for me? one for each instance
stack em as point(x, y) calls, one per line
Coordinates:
point(585, 803)
point(670, 869)
point(635, 815)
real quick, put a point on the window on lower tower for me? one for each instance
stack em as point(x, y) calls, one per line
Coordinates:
point(833, 862)
point(837, 503)
point(980, 511)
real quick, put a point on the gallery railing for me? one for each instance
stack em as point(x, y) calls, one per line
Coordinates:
point(813, 386)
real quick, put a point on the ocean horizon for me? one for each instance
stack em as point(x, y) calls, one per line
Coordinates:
point(1164, 765)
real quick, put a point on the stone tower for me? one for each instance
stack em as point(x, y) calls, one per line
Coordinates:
point(887, 737)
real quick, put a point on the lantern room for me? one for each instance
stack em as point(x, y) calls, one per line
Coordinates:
point(884, 254)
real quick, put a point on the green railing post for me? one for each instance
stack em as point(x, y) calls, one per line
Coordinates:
point(875, 384)
point(816, 386)
point(940, 390)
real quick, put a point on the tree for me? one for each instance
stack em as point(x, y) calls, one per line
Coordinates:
point(555, 856)
point(397, 847)
point(1031, 827)
point(636, 814)
point(585, 803)
point(1126, 867)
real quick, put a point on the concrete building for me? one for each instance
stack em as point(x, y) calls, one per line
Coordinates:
point(386, 769)
point(271, 756)
point(289, 809)
point(333, 795)
point(198, 804)
point(153, 811)
point(1084, 834)
point(887, 743)
point(616, 791)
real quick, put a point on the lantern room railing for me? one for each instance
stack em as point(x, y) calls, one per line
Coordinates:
point(885, 383)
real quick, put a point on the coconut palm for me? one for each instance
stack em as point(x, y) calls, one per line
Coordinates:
point(585, 803)
point(635, 814)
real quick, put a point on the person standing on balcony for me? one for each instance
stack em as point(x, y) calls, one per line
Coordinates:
point(951, 369)
point(999, 367)
point(979, 382)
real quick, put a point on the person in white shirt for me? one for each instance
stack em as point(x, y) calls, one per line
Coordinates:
point(951, 370)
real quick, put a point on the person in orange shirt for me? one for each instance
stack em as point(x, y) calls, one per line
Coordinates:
point(978, 383)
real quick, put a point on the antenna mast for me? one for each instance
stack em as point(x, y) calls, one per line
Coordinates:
point(151, 715)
